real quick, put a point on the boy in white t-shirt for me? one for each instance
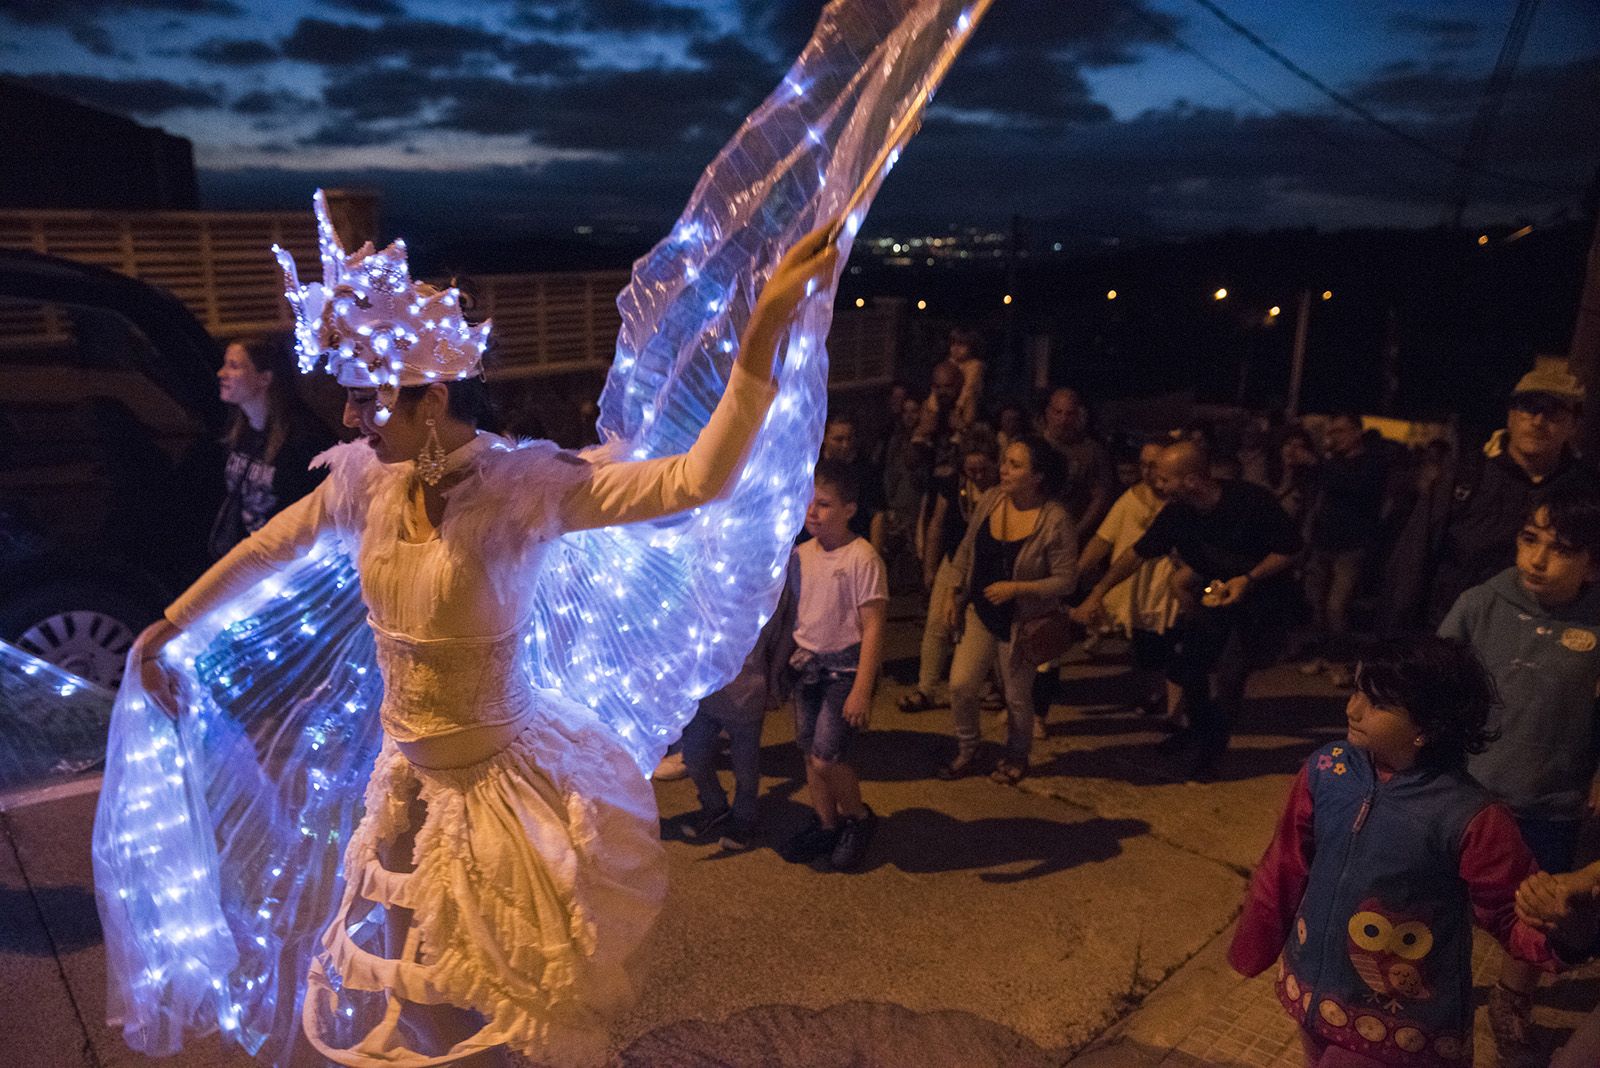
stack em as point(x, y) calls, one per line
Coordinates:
point(838, 634)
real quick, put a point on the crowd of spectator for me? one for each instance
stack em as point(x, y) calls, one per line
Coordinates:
point(1454, 594)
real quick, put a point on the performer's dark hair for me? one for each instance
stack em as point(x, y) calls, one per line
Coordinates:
point(469, 400)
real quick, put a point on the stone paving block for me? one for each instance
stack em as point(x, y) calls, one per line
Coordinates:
point(39, 1021)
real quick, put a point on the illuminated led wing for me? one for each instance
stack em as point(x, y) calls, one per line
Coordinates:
point(52, 722)
point(217, 845)
point(642, 621)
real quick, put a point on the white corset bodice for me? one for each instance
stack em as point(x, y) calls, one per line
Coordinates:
point(440, 686)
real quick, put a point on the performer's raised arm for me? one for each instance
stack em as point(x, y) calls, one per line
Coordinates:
point(627, 492)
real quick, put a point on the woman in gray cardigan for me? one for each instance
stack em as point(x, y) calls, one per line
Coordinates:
point(1019, 558)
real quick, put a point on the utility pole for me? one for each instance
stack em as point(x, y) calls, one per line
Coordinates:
point(1583, 356)
point(1297, 364)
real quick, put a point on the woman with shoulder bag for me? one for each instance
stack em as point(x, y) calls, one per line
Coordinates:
point(1019, 558)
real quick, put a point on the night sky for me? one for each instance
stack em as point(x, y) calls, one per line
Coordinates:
point(1104, 117)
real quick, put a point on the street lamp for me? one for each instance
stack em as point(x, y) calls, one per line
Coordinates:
point(1327, 294)
point(1111, 294)
point(861, 302)
point(1274, 311)
point(1221, 294)
point(922, 305)
point(1006, 299)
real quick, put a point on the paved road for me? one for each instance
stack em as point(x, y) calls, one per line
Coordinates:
point(1078, 918)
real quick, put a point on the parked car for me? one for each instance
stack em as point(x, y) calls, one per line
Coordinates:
point(110, 472)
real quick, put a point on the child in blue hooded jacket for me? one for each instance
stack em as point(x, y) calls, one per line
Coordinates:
point(1535, 626)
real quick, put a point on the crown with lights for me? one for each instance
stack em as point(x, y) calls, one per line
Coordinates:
point(376, 327)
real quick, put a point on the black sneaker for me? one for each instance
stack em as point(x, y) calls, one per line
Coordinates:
point(737, 836)
point(705, 827)
point(853, 838)
point(813, 842)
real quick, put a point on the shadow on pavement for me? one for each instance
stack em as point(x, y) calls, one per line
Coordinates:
point(924, 840)
point(70, 911)
point(850, 1033)
point(1143, 765)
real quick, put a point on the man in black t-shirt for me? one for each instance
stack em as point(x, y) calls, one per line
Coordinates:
point(1235, 544)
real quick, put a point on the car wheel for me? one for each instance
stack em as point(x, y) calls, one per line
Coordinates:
point(76, 627)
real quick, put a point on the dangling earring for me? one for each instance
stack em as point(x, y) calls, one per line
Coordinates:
point(430, 461)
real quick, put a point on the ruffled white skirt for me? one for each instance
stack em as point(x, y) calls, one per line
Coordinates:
point(536, 873)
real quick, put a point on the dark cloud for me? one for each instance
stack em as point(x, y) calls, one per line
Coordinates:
point(1099, 32)
point(1025, 61)
point(1022, 86)
point(539, 58)
point(1409, 87)
point(381, 8)
point(612, 16)
point(264, 102)
point(418, 41)
point(384, 93)
point(1442, 94)
point(235, 52)
point(1445, 34)
point(94, 39)
point(130, 96)
point(665, 106)
point(785, 24)
point(605, 110)
point(348, 135)
point(79, 12)
point(1194, 169)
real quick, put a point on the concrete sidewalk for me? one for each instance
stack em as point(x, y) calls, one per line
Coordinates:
point(1079, 918)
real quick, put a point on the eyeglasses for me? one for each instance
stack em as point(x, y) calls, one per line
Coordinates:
point(1545, 404)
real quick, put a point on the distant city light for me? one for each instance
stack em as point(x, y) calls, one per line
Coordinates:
point(861, 302)
point(922, 305)
point(1483, 239)
point(1056, 247)
point(1327, 294)
point(1111, 294)
point(1274, 311)
point(1006, 299)
point(1221, 294)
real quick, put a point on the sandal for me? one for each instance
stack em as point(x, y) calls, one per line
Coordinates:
point(963, 765)
point(1510, 1020)
point(916, 701)
point(1008, 772)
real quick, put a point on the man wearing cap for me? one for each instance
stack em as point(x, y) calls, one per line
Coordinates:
point(1464, 531)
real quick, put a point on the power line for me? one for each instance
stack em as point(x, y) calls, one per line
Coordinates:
point(1309, 125)
point(1367, 115)
point(1494, 94)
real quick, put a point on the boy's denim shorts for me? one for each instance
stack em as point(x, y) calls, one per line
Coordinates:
point(820, 729)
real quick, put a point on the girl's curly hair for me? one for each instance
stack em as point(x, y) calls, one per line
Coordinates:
point(1441, 685)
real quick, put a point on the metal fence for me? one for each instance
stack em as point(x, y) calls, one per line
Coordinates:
point(217, 264)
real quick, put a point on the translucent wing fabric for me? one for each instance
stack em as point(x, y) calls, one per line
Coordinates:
point(217, 843)
point(642, 621)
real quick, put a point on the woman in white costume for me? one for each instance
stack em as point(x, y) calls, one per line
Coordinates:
point(540, 634)
point(501, 821)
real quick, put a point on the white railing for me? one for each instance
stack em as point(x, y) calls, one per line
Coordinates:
point(218, 264)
